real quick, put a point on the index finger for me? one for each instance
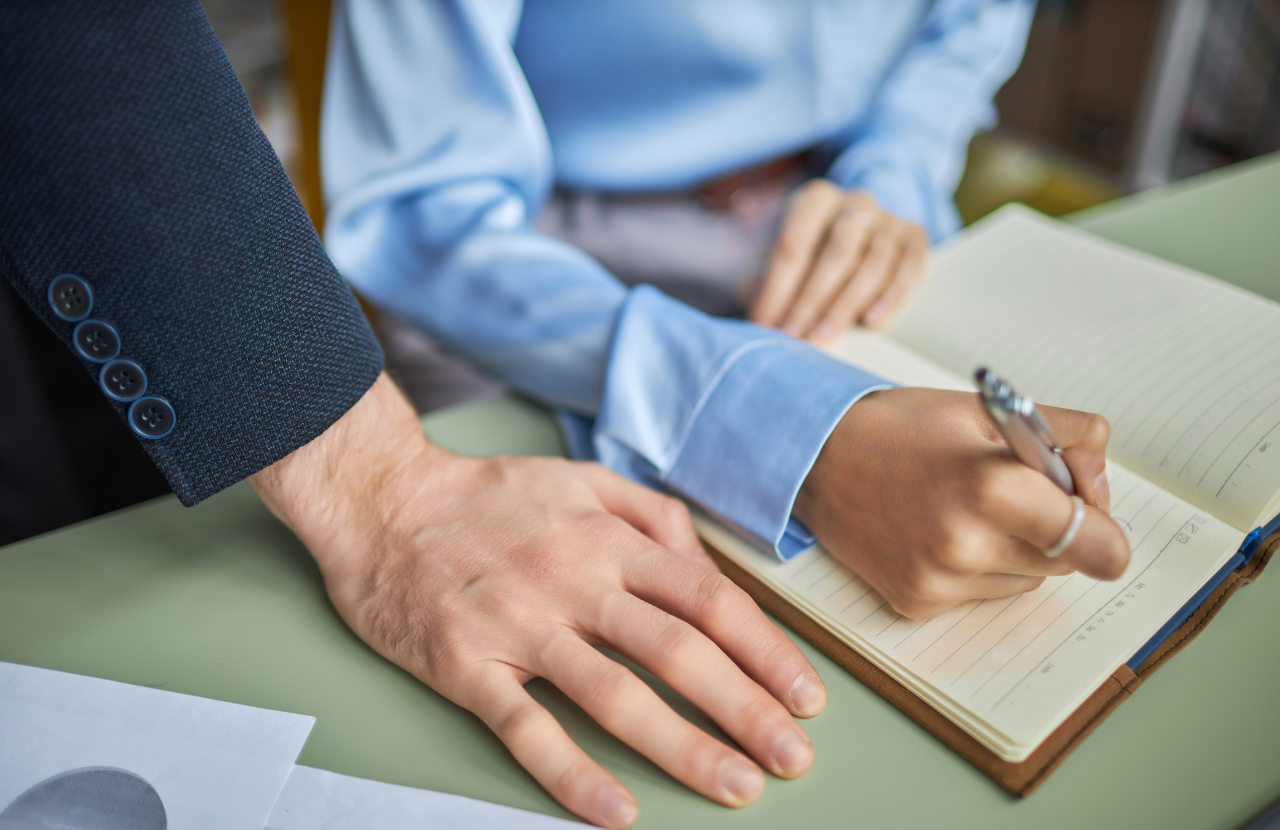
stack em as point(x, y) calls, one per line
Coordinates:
point(540, 745)
point(663, 519)
point(713, 604)
point(1029, 506)
point(1083, 437)
point(807, 222)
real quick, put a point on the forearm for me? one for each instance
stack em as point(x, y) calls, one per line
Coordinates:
point(910, 149)
point(526, 308)
point(131, 159)
point(338, 492)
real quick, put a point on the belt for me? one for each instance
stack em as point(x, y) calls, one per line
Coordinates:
point(718, 194)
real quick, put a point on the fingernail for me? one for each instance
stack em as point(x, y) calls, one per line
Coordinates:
point(792, 755)
point(1102, 491)
point(808, 696)
point(874, 313)
point(617, 807)
point(823, 332)
point(741, 781)
point(791, 327)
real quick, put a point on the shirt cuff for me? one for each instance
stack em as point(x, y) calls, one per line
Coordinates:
point(758, 433)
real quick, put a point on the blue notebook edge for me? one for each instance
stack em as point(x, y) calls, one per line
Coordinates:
point(1248, 549)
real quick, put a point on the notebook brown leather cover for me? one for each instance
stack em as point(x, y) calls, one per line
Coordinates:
point(1022, 778)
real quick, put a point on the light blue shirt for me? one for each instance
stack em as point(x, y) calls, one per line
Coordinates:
point(446, 124)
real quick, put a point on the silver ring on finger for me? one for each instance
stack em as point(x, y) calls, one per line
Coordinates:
point(1073, 528)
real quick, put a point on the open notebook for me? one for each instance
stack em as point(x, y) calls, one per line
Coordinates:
point(1187, 370)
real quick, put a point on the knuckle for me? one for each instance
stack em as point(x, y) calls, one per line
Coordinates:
point(541, 563)
point(923, 591)
point(588, 467)
point(915, 608)
point(993, 488)
point(675, 514)
point(603, 529)
point(521, 726)
point(1097, 431)
point(676, 639)
point(961, 554)
point(760, 709)
point(888, 238)
point(931, 586)
point(849, 234)
point(602, 692)
point(717, 597)
point(388, 627)
point(820, 187)
point(864, 200)
point(789, 246)
point(577, 781)
point(446, 649)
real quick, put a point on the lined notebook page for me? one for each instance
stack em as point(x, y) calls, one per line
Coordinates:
point(1187, 369)
point(1010, 670)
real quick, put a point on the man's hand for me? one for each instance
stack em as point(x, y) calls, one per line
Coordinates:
point(839, 260)
point(918, 493)
point(477, 575)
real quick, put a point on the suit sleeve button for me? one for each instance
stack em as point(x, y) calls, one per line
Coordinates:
point(123, 380)
point(70, 297)
point(96, 340)
point(152, 417)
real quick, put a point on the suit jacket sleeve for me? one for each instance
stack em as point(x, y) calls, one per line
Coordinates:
point(129, 156)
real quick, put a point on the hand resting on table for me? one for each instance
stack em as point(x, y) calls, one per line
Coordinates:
point(477, 575)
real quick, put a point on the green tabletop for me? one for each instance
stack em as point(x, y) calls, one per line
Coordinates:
point(222, 601)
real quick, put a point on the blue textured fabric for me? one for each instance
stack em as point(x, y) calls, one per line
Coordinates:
point(129, 156)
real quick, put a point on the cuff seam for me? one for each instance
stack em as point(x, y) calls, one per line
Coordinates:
point(673, 452)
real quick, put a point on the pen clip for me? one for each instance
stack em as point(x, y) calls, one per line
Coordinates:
point(1027, 408)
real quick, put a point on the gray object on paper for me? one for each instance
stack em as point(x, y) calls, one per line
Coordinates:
point(89, 754)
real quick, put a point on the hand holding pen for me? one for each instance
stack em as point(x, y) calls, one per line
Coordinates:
point(918, 493)
point(1033, 443)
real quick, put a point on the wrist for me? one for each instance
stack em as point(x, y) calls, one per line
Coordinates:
point(826, 481)
point(335, 488)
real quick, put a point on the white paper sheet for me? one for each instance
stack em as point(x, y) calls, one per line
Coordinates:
point(135, 758)
point(313, 799)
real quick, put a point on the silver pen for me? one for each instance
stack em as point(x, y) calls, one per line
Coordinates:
point(1023, 427)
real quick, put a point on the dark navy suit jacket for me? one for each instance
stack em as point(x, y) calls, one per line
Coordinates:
point(129, 157)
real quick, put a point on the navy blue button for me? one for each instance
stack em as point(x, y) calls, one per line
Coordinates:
point(70, 297)
point(152, 417)
point(123, 380)
point(96, 340)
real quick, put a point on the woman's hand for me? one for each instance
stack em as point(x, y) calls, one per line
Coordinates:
point(839, 260)
point(477, 575)
point(917, 492)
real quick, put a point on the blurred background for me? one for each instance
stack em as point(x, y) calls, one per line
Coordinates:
point(1113, 96)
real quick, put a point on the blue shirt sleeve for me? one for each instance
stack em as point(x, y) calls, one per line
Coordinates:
point(434, 157)
point(909, 150)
